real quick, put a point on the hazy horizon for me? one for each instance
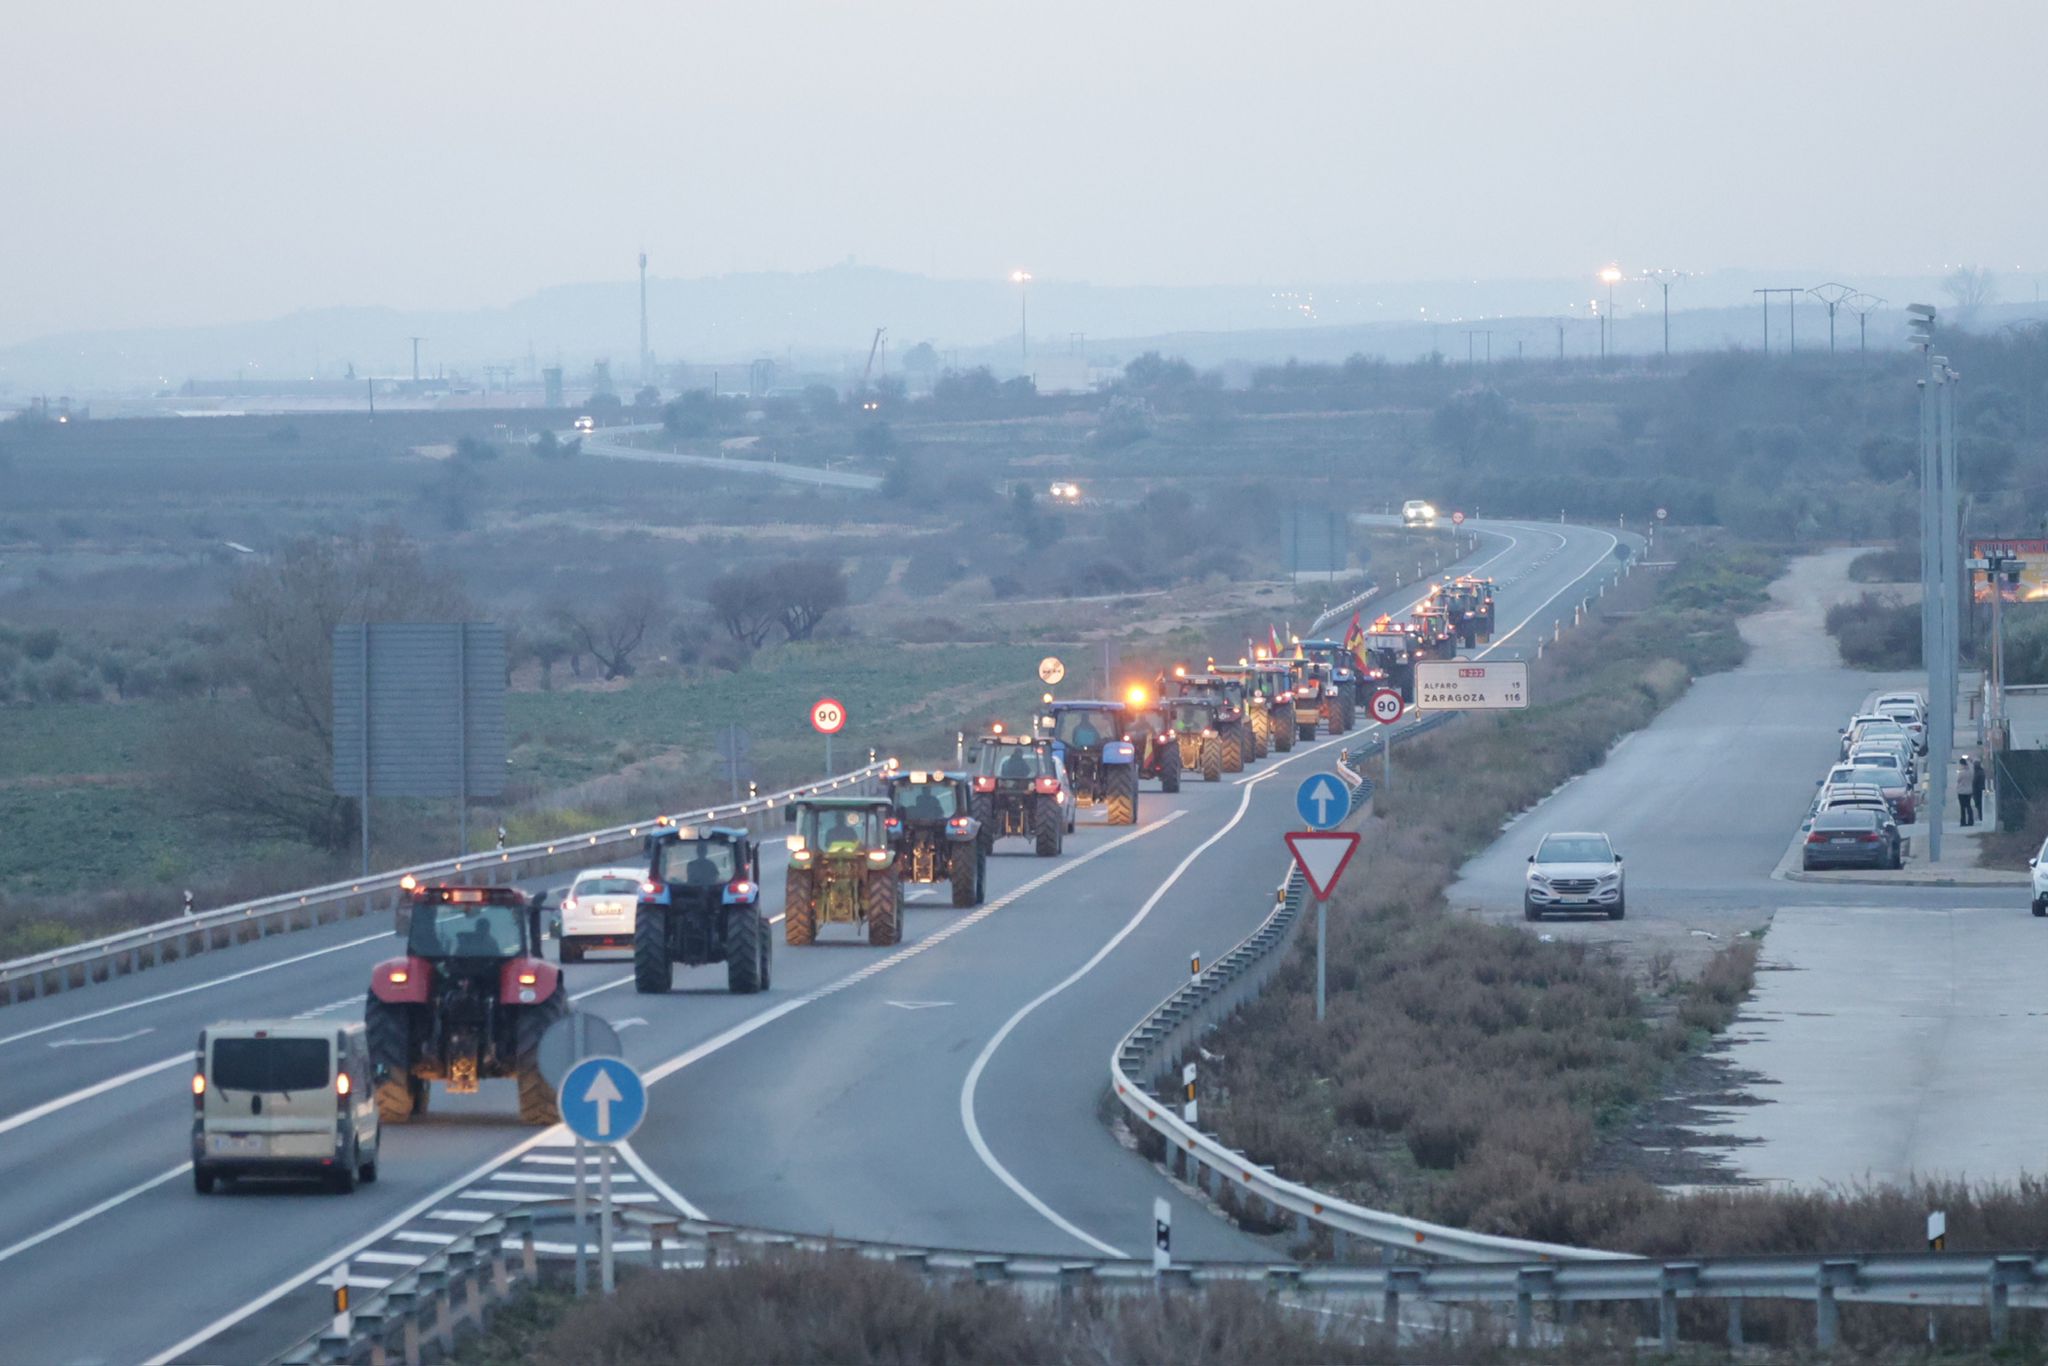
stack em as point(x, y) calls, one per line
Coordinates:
point(224, 164)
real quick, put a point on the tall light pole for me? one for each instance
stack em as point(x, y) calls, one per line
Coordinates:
point(1611, 276)
point(1022, 279)
point(1863, 305)
point(1664, 280)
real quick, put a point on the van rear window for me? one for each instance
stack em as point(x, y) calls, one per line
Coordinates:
point(270, 1065)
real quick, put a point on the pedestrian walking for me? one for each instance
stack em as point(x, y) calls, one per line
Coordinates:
point(1977, 789)
point(1964, 797)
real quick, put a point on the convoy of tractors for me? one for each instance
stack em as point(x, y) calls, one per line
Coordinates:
point(473, 993)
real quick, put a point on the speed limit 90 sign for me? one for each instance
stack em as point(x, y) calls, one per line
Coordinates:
point(828, 717)
point(1387, 706)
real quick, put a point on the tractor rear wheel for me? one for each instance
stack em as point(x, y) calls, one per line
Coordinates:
point(799, 908)
point(883, 897)
point(966, 875)
point(1347, 713)
point(390, 1036)
point(1048, 824)
point(1212, 758)
point(1169, 768)
point(1283, 730)
point(654, 972)
point(1231, 744)
point(537, 1104)
point(983, 809)
point(1262, 734)
point(1121, 800)
point(743, 964)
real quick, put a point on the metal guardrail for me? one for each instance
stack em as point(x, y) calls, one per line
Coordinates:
point(423, 1312)
point(1174, 1025)
point(148, 946)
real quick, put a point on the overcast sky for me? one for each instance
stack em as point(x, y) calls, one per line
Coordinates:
point(200, 162)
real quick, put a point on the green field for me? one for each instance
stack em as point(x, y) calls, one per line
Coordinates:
point(121, 830)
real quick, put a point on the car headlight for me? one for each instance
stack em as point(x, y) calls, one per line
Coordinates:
point(1539, 879)
point(1609, 879)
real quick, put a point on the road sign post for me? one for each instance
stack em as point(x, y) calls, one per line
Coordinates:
point(1322, 856)
point(1386, 707)
point(602, 1101)
point(1162, 1235)
point(828, 718)
point(568, 1041)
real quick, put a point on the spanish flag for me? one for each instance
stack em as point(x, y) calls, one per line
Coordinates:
point(1354, 643)
point(1273, 637)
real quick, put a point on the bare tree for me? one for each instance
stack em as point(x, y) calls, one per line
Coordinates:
point(746, 605)
point(278, 640)
point(612, 625)
point(807, 589)
point(1972, 287)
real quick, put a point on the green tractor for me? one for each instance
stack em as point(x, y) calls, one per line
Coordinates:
point(842, 869)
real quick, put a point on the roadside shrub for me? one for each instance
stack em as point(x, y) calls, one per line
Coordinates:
point(1899, 564)
point(1877, 631)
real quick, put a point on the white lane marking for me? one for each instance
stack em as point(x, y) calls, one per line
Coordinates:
point(101, 1208)
point(463, 1216)
point(967, 1088)
point(917, 1005)
point(415, 1235)
point(391, 1258)
point(111, 1038)
point(550, 1161)
point(676, 1199)
point(623, 1025)
point(547, 1178)
point(316, 1011)
point(1500, 640)
point(558, 1136)
point(187, 991)
point(50, 1107)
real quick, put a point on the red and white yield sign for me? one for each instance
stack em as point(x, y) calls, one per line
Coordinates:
point(1322, 856)
point(1457, 519)
point(828, 716)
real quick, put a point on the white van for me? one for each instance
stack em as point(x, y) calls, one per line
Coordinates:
point(284, 1098)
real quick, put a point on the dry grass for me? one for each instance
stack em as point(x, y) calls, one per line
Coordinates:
point(1466, 1071)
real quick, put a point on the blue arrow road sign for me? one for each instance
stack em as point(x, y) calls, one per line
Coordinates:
point(603, 1100)
point(1323, 801)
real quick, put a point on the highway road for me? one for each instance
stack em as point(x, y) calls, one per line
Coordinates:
point(594, 444)
point(946, 1092)
point(1882, 1035)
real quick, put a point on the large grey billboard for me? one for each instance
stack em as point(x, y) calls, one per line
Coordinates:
point(422, 704)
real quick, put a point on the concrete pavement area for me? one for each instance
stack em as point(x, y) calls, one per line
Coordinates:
point(1891, 1021)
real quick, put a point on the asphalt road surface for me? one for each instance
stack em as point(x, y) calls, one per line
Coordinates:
point(944, 1092)
point(1884, 1034)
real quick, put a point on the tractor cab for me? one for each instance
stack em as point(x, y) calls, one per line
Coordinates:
point(842, 869)
point(932, 827)
point(1094, 740)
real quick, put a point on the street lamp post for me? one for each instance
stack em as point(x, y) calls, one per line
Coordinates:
point(1022, 279)
point(1610, 276)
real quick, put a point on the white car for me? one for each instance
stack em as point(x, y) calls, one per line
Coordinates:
point(586, 423)
point(1574, 871)
point(2037, 870)
point(599, 911)
point(1418, 512)
point(1064, 492)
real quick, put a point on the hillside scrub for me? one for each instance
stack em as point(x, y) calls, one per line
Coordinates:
point(1466, 1071)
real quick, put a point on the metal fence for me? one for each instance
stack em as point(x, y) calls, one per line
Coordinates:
point(148, 946)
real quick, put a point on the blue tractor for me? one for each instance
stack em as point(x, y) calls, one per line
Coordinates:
point(701, 903)
point(1102, 762)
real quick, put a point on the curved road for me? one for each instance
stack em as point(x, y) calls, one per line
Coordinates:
point(945, 1092)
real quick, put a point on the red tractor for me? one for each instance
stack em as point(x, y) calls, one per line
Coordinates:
point(469, 1000)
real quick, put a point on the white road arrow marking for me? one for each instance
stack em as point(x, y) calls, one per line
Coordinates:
point(917, 1005)
point(112, 1038)
point(629, 1023)
point(603, 1092)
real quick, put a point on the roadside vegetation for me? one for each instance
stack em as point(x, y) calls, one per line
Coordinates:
point(1468, 1072)
point(1877, 631)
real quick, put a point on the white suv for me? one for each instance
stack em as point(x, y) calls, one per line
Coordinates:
point(1574, 871)
point(2037, 870)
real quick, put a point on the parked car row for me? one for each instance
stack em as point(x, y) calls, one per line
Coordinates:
point(1873, 789)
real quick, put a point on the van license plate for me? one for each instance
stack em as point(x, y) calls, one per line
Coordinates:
point(234, 1143)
